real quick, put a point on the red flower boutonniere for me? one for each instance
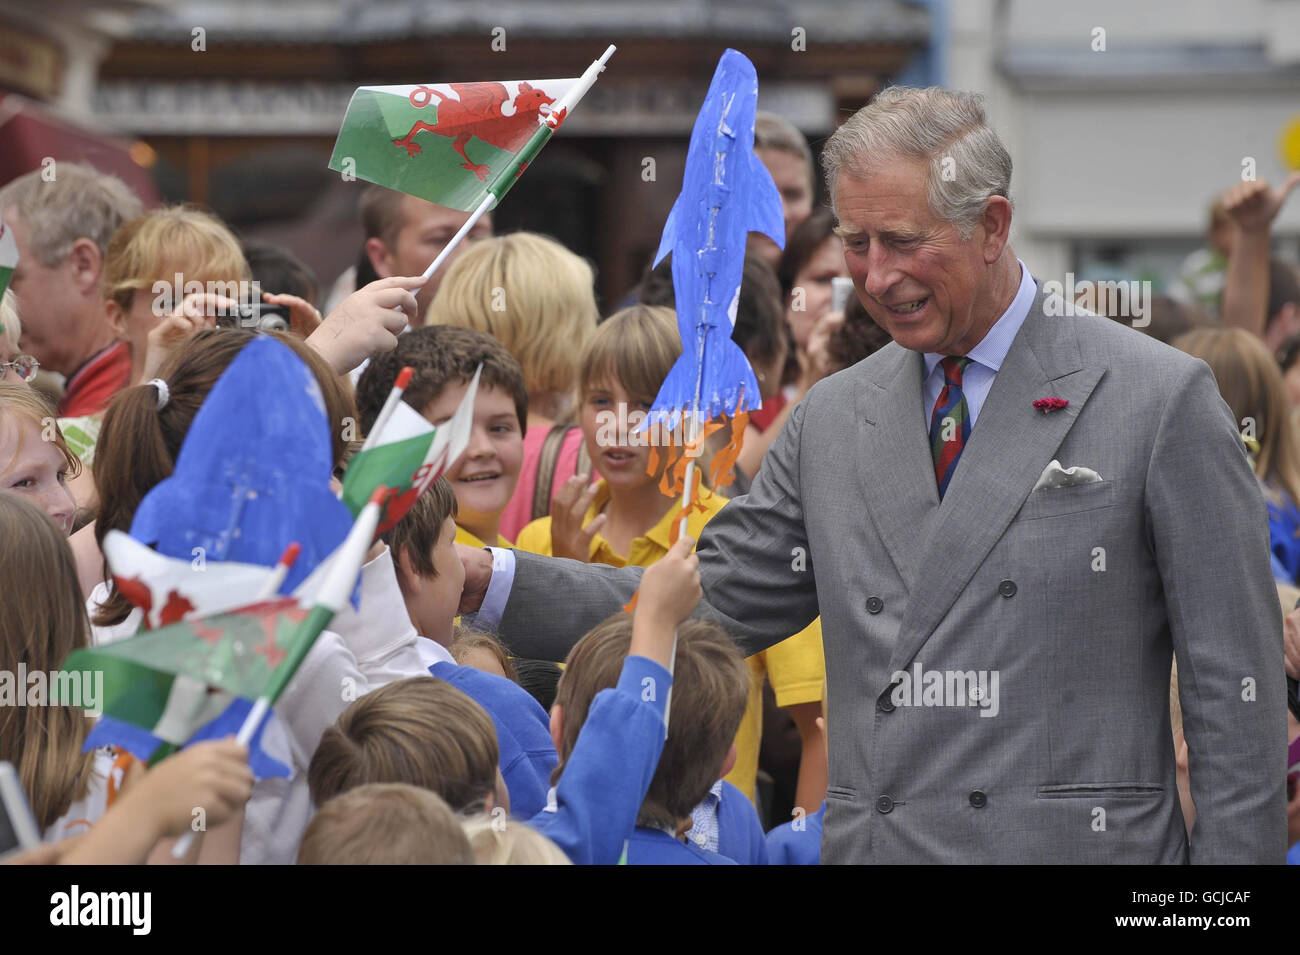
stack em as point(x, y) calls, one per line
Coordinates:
point(1050, 404)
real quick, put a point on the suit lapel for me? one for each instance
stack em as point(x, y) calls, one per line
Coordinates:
point(893, 448)
point(1008, 448)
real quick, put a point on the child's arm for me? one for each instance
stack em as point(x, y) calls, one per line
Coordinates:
point(810, 790)
point(670, 590)
point(608, 774)
point(211, 776)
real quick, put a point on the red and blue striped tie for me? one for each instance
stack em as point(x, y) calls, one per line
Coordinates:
point(949, 423)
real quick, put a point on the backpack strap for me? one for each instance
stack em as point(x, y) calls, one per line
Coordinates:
point(546, 463)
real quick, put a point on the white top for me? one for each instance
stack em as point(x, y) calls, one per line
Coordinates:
point(363, 650)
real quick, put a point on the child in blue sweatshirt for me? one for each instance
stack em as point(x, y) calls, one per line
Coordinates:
point(710, 688)
point(430, 734)
point(798, 842)
point(430, 576)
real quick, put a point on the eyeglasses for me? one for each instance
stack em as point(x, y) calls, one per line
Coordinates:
point(24, 366)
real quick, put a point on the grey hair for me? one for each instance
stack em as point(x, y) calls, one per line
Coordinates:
point(934, 124)
point(80, 202)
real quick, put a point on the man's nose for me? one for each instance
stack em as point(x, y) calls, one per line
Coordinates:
point(881, 275)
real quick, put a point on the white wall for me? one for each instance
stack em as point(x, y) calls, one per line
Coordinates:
point(1115, 154)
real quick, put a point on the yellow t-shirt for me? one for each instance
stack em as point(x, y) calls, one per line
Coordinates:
point(469, 540)
point(795, 666)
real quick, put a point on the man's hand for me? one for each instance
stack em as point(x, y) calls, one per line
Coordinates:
point(670, 591)
point(367, 322)
point(569, 538)
point(1252, 206)
point(477, 562)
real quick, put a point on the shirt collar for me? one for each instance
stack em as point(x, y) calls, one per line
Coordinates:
point(993, 347)
point(661, 534)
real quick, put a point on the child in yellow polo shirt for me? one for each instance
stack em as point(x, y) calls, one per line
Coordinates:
point(443, 359)
point(624, 519)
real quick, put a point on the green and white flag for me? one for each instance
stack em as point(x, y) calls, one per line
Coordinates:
point(406, 453)
point(8, 256)
point(173, 680)
point(450, 143)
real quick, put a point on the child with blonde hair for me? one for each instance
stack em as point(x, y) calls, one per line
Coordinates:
point(43, 622)
point(627, 519)
point(1251, 385)
point(500, 841)
point(536, 298)
point(35, 461)
point(385, 824)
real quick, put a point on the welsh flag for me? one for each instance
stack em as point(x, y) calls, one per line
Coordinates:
point(461, 145)
point(8, 257)
point(205, 677)
point(406, 453)
point(191, 680)
point(450, 143)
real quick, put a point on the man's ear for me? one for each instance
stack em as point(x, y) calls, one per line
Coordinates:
point(86, 263)
point(379, 257)
point(557, 725)
point(996, 221)
point(729, 761)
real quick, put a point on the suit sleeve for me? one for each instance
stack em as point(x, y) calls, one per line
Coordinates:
point(755, 561)
point(754, 564)
point(1209, 530)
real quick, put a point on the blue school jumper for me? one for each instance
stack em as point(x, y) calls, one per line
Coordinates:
point(656, 847)
point(786, 846)
point(608, 774)
point(523, 733)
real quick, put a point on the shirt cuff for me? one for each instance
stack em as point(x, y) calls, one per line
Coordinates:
point(494, 603)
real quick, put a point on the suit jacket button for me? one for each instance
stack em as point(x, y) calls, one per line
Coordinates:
point(978, 799)
point(875, 605)
point(883, 702)
point(884, 804)
point(1007, 588)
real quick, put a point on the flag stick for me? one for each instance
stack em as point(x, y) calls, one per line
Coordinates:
point(344, 566)
point(686, 493)
point(390, 404)
point(474, 216)
point(281, 571)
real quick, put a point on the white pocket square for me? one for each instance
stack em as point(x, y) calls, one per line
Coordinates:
point(1056, 476)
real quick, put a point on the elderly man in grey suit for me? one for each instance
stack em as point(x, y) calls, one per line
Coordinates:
point(1010, 520)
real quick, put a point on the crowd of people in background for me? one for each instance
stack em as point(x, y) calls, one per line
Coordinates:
point(455, 750)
